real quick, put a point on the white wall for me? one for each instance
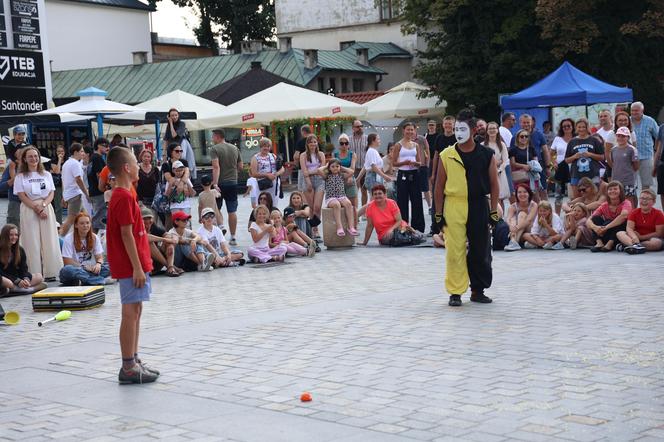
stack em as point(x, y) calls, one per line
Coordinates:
point(86, 36)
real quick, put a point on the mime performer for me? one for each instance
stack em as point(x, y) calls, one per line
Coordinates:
point(468, 174)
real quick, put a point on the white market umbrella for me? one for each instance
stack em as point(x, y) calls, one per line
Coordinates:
point(402, 102)
point(284, 102)
point(177, 99)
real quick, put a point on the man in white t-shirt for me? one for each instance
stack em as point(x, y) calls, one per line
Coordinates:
point(509, 120)
point(73, 186)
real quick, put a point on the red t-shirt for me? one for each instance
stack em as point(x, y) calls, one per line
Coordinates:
point(123, 210)
point(382, 219)
point(645, 223)
point(605, 212)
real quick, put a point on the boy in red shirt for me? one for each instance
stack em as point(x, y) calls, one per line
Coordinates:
point(645, 227)
point(130, 262)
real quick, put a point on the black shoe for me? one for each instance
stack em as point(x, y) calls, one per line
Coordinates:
point(455, 301)
point(596, 249)
point(480, 297)
point(620, 248)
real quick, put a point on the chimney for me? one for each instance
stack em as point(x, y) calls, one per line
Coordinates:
point(362, 56)
point(256, 65)
point(310, 58)
point(285, 44)
point(251, 47)
point(139, 57)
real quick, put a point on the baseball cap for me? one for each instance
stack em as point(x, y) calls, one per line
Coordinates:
point(19, 130)
point(623, 131)
point(180, 215)
point(178, 164)
point(146, 213)
point(288, 211)
point(207, 211)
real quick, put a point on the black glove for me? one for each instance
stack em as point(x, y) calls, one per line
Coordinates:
point(494, 218)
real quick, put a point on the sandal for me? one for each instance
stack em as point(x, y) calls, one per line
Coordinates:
point(340, 232)
point(172, 272)
point(178, 269)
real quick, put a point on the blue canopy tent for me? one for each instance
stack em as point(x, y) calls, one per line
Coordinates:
point(566, 86)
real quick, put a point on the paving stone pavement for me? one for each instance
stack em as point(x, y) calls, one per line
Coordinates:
point(571, 349)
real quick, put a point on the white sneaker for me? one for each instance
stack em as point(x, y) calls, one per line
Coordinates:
point(109, 281)
point(558, 246)
point(547, 246)
point(512, 246)
point(528, 245)
point(207, 266)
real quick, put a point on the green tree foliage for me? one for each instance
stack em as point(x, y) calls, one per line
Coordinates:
point(478, 50)
point(233, 20)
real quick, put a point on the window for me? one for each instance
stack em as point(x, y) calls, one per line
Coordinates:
point(358, 85)
point(321, 85)
point(333, 84)
point(344, 85)
point(390, 9)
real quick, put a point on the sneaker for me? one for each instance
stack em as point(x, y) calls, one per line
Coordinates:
point(109, 281)
point(317, 248)
point(311, 250)
point(455, 301)
point(530, 246)
point(558, 246)
point(547, 246)
point(573, 242)
point(207, 265)
point(241, 262)
point(223, 229)
point(630, 250)
point(136, 375)
point(147, 368)
point(512, 246)
point(640, 249)
point(480, 297)
point(620, 248)
point(232, 242)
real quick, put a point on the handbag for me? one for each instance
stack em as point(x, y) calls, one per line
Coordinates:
point(161, 203)
point(562, 173)
point(520, 174)
point(405, 238)
point(264, 183)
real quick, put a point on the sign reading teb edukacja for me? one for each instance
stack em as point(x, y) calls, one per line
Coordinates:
point(21, 68)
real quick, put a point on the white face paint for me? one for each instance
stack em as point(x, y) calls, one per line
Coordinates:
point(461, 132)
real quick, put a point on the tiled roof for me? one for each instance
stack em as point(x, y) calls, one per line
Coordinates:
point(127, 4)
point(360, 97)
point(137, 83)
point(377, 50)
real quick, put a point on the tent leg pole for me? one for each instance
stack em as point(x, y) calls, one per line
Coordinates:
point(157, 130)
point(100, 126)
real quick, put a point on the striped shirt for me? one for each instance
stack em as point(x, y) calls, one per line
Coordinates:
point(358, 145)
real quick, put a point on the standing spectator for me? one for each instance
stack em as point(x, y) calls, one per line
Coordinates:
point(36, 189)
point(314, 189)
point(495, 142)
point(520, 156)
point(646, 131)
point(97, 163)
point(348, 159)
point(445, 140)
point(148, 177)
point(116, 140)
point(180, 191)
point(358, 145)
point(14, 264)
point(624, 161)
point(300, 148)
point(405, 157)
point(548, 132)
point(373, 164)
point(16, 143)
point(508, 122)
point(265, 172)
point(538, 142)
point(658, 164)
point(73, 186)
point(423, 176)
point(607, 133)
point(645, 226)
point(226, 163)
point(56, 173)
point(175, 154)
point(558, 151)
point(14, 203)
point(432, 139)
point(584, 154)
point(176, 132)
point(609, 218)
point(83, 256)
point(481, 130)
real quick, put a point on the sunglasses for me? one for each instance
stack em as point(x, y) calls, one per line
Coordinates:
point(178, 150)
point(524, 136)
point(208, 216)
point(567, 126)
point(343, 143)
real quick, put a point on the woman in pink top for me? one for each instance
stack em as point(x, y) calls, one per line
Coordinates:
point(609, 218)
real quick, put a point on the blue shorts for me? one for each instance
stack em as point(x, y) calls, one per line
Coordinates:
point(184, 250)
point(228, 190)
point(132, 295)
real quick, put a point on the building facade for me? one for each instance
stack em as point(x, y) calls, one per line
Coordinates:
point(96, 33)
